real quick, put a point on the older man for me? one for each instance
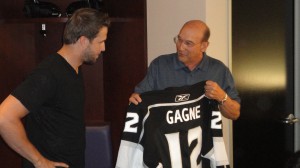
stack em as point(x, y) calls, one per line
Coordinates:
point(191, 65)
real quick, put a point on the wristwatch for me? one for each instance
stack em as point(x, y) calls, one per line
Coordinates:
point(223, 100)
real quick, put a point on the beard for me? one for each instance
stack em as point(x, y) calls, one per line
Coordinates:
point(89, 57)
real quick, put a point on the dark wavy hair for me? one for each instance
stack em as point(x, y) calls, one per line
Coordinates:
point(84, 22)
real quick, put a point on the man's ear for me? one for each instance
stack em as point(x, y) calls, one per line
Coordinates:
point(204, 46)
point(83, 41)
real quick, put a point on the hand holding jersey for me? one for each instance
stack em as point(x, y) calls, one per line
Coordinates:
point(135, 98)
point(228, 107)
point(214, 91)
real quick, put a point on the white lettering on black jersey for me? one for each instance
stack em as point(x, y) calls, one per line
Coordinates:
point(173, 128)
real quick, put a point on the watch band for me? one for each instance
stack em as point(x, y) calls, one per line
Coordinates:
point(223, 100)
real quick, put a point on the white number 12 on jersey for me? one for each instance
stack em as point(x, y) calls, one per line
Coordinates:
point(193, 134)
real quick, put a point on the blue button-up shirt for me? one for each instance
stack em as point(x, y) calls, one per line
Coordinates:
point(167, 71)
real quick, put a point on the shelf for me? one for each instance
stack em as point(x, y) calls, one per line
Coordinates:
point(57, 20)
point(37, 20)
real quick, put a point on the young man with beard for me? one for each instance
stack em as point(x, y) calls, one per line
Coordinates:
point(51, 99)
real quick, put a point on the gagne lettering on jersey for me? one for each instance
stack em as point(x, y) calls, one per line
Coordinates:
point(183, 115)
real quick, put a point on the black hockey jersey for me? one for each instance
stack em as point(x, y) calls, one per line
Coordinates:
point(174, 128)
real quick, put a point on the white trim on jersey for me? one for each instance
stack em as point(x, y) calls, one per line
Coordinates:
point(131, 150)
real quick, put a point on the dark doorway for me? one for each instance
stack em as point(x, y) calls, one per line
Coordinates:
point(263, 70)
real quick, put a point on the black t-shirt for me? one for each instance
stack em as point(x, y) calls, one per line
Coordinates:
point(54, 95)
point(176, 127)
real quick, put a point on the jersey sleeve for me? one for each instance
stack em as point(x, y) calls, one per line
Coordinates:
point(213, 139)
point(130, 153)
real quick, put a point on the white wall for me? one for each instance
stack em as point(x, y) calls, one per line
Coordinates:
point(164, 20)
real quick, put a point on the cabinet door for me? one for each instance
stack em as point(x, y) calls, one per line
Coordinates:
point(263, 70)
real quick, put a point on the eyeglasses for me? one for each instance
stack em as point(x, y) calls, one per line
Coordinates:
point(190, 44)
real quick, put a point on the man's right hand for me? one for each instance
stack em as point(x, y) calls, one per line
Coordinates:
point(135, 98)
point(45, 163)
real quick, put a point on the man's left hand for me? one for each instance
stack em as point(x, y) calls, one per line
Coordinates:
point(214, 91)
